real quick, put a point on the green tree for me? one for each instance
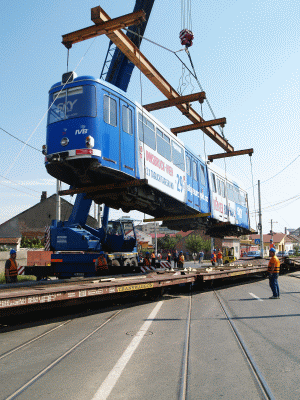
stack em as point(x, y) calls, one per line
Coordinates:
point(297, 250)
point(168, 242)
point(195, 243)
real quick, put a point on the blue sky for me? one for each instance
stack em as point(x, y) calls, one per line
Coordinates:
point(246, 55)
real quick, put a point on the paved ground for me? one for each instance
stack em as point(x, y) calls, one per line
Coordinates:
point(139, 354)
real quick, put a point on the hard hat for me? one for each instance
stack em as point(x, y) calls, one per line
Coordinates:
point(181, 252)
point(273, 250)
point(214, 249)
point(147, 253)
point(13, 252)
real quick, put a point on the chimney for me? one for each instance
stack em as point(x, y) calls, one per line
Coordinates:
point(44, 196)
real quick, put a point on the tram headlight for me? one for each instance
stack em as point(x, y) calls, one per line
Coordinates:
point(64, 141)
point(89, 142)
point(44, 149)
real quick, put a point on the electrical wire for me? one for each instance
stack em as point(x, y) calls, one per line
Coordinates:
point(18, 190)
point(20, 140)
point(26, 144)
point(16, 183)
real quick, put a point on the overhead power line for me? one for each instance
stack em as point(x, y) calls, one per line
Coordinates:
point(20, 140)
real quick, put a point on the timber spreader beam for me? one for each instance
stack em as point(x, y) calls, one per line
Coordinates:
point(100, 18)
point(233, 153)
point(178, 100)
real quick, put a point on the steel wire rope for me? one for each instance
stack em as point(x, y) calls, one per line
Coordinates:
point(174, 52)
point(14, 161)
point(253, 190)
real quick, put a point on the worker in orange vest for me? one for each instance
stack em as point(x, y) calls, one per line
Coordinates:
point(101, 266)
point(169, 257)
point(180, 263)
point(273, 270)
point(146, 261)
point(11, 268)
point(219, 258)
point(153, 259)
point(213, 258)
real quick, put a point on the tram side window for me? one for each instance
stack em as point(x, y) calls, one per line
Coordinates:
point(195, 175)
point(223, 189)
point(146, 131)
point(230, 192)
point(109, 110)
point(163, 144)
point(213, 179)
point(219, 187)
point(243, 199)
point(202, 175)
point(237, 195)
point(178, 156)
point(127, 119)
point(188, 166)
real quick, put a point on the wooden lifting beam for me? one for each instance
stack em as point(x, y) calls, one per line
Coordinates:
point(200, 125)
point(140, 61)
point(103, 28)
point(231, 154)
point(199, 215)
point(178, 100)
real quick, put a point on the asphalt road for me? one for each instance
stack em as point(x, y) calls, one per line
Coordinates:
point(152, 350)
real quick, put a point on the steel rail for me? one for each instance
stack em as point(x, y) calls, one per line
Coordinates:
point(260, 378)
point(33, 340)
point(55, 362)
point(185, 355)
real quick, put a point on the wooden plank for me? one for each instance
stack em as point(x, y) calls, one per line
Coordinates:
point(141, 62)
point(179, 100)
point(200, 125)
point(103, 28)
point(91, 189)
point(175, 217)
point(231, 154)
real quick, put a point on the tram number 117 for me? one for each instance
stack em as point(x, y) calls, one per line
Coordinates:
point(179, 183)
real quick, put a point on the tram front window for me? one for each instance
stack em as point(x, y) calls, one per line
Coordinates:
point(74, 102)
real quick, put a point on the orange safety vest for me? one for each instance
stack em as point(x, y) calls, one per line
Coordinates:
point(146, 262)
point(13, 269)
point(214, 257)
point(153, 255)
point(274, 260)
point(181, 259)
point(219, 255)
point(101, 263)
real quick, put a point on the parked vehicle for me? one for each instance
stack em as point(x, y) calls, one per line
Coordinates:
point(291, 252)
point(282, 254)
point(253, 254)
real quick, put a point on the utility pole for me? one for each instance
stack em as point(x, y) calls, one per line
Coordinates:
point(272, 222)
point(260, 223)
point(155, 238)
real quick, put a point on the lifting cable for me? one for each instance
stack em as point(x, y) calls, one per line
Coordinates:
point(253, 189)
point(26, 144)
point(193, 73)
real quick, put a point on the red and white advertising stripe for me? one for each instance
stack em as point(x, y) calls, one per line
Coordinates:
point(47, 238)
point(21, 270)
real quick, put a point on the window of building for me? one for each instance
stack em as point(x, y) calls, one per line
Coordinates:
point(109, 110)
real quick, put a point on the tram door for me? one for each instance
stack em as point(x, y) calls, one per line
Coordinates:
point(110, 131)
point(196, 193)
point(127, 143)
point(204, 193)
point(189, 182)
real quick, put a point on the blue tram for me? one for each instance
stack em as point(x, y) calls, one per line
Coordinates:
point(97, 136)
